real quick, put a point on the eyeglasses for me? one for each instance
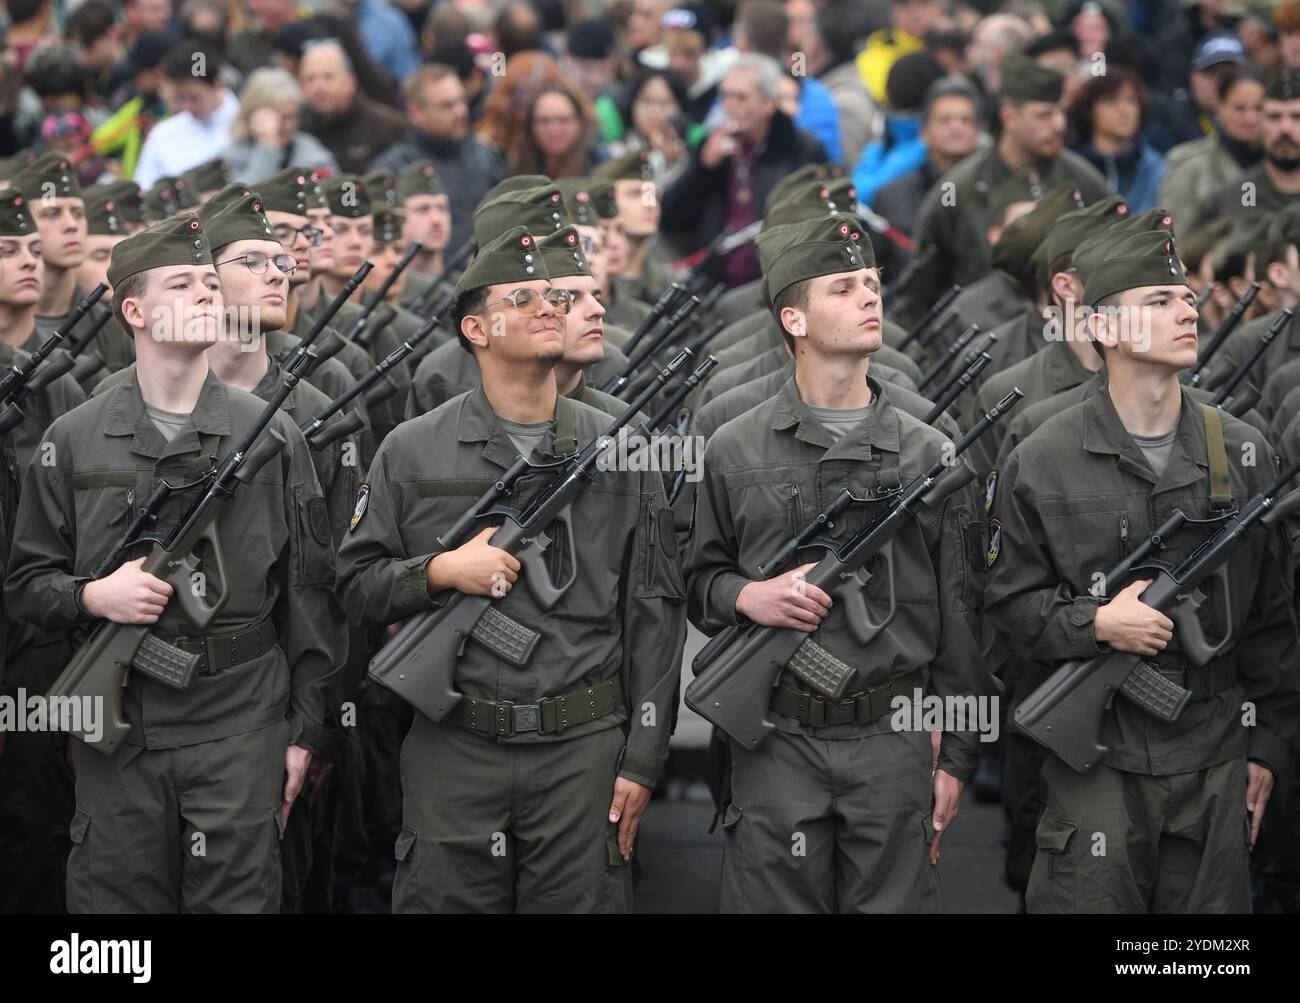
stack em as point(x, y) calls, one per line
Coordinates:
point(528, 302)
point(285, 233)
point(256, 262)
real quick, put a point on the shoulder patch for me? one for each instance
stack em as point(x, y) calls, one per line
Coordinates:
point(995, 542)
point(363, 497)
point(990, 486)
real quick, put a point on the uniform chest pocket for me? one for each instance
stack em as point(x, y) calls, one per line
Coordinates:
point(105, 501)
point(768, 507)
point(1093, 532)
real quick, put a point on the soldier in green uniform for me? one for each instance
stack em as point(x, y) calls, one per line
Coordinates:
point(862, 801)
point(641, 276)
point(539, 815)
point(589, 203)
point(186, 815)
point(130, 202)
point(953, 216)
point(205, 180)
point(446, 372)
point(37, 803)
point(428, 222)
point(1084, 489)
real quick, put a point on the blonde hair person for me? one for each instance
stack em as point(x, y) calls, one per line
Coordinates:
point(265, 133)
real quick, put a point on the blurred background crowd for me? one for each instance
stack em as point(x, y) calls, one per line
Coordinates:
point(1163, 97)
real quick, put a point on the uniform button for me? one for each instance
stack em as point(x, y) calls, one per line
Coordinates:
point(529, 269)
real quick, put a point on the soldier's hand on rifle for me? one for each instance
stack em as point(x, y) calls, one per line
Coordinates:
point(476, 568)
point(630, 800)
point(1128, 624)
point(947, 796)
point(1259, 786)
point(128, 595)
point(785, 601)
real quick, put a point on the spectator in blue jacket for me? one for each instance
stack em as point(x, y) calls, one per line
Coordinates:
point(1105, 127)
point(900, 150)
point(387, 35)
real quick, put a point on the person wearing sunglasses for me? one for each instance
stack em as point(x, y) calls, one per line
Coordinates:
point(560, 840)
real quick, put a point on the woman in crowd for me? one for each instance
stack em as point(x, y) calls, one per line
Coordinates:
point(1106, 116)
point(654, 117)
point(557, 138)
point(265, 132)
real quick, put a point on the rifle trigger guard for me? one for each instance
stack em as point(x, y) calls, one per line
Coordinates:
point(852, 593)
point(533, 558)
point(1192, 640)
point(198, 611)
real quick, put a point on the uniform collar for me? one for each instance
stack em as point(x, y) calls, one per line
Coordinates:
point(880, 429)
point(479, 423)
point(1104, 433)
point(270, 383)
point(1063, 368)
point(127, 416)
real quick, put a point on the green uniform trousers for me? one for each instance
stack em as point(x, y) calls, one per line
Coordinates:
point(497, 827)
point(830, 826)
point(191, 829)
point(1116, 842)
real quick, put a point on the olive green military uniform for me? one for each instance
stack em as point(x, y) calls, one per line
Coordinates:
point(207, 760)
point(831, 812)
point(546, 795)
point(953, 215)
point(766, 475)
point(1074, 498)
point(37, 783)
point(210, 759)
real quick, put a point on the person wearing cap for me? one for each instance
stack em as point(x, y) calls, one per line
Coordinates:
point(1275, 266)
point(1168, 798)
point(55, 203)
point(569, 853)
point(427, 205)
point(203, 108)
point(1196, 170)
point(250, 722)
point(590, 204)
point(1005, 293)
point(641, 276)
point(34, 774)
point(1275, 182)
point(728, 178)
point(352, 224)
point(766, 474)
point(106, 227)
point(1190, 111)
point(206, 179)
point(255, 271)
point(541, 208)
point(953, 216)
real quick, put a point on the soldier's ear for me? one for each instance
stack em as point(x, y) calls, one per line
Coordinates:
point(794, 321)
point(475, 329)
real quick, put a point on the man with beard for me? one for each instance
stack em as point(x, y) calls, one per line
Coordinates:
point(1274, 182)
point(954, 215)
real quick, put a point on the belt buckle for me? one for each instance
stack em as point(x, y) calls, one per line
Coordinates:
point(525, 716)
point(839, 713)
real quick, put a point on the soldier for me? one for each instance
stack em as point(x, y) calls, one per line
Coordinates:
point(428, 221)
point(1079, 493)
point(522, 818)
point(55, 201)
point(106, 227)
point(34, 775)
point(445, 372)
point(205, 180)
point(641, 276)
point(130, 203)
point(589, 204)
point(217, 765)
point(860, 792)
point(953, 216)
